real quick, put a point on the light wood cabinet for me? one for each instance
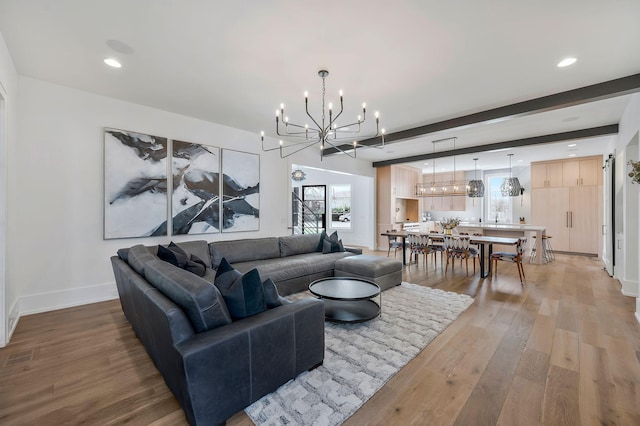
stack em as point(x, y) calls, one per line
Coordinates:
point(581, 172)
point(455, 202)
point(395, 188)
point(571, 212)
point(404, 181)
point(547, 175)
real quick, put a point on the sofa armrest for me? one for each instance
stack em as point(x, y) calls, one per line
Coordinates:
point(354, 250)
point(252, 357)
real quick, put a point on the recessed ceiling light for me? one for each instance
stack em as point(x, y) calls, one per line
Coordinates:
point(426, 164)
point(569, 119)
point(113, 63)
point(520, 161)
point(566, 62)
point(571, 145)
point(572, 155)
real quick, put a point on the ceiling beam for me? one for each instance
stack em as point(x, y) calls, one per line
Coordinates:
point(610, 129)
point(596, 92)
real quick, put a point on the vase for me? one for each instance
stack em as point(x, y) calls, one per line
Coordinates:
point(448, 231)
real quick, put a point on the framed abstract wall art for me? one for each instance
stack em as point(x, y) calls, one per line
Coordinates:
point(135, 184)
point(195, 205)
point(240, 191)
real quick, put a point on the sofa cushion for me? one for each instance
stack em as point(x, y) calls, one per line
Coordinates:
point(198, 248)
point(299, 244)
point(139, 256)
point(200, 300)
point(245, 296)
point(243, 250)
point(286, 268)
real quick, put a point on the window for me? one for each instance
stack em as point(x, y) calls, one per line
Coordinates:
point(340, 203)
point(498, 206)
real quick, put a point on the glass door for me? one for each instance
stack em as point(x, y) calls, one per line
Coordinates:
point(314, 197)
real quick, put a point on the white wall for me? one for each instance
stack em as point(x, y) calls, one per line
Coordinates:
point(628, 134)
point(56, 252)
point(8, 130)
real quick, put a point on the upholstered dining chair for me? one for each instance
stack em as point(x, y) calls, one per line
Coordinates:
point(436, 245)
point(418, 245)
point(393, 244)
point(511, 257)
point(458, 248)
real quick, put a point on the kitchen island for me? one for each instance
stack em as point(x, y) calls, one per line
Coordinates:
point(507, 230)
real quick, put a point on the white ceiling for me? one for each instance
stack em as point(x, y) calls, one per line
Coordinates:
point(417, 62)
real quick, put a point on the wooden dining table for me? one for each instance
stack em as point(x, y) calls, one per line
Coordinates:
point(481, 240)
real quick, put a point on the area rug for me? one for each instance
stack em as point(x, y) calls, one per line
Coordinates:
point(361, 358)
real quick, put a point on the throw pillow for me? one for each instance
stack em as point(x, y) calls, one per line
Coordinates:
point(178, 257)
point(245, 296)
point(173, 254)
point(323, 235)
point(196, 266)
point(332, 247)
point(226, 275)
point(271, 296)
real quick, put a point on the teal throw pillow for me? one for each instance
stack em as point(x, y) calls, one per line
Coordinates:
point(271, 296)
point(245, 296)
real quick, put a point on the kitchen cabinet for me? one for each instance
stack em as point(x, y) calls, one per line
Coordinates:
point(587, 171)
point(570, 213)
point(455, 197)
point(547, 175)
point(404, 180)
point(395, 194)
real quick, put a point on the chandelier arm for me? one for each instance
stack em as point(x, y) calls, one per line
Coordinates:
point(282, 148)
point(343, 151)
point(306, 108)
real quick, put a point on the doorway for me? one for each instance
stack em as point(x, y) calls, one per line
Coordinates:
point(315, 198)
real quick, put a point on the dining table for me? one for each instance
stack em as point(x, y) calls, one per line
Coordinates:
point(482, 240)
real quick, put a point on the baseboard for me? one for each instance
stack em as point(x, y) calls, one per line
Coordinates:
point(12, 322)
point(629, 288)
point(67, 298)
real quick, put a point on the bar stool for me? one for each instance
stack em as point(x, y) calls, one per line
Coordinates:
point(547, 251)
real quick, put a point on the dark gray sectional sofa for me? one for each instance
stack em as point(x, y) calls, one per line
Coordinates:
point(214, 368)
point(292, 262)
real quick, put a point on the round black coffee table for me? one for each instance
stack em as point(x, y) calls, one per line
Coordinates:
point(347, 299)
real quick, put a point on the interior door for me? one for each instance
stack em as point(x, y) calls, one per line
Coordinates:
point(315, 198)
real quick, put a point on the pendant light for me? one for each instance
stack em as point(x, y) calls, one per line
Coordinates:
point(475, 187)
point(510, 186)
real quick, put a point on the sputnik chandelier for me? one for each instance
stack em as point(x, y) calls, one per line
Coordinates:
point(322, 133)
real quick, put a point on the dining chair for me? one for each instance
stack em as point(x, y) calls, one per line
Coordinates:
point(418, 245)
point(511, 257)
point(393, 244)
point(436, 245)
point(458, 248)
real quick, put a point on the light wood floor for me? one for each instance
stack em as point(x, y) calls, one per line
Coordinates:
point(565, 349)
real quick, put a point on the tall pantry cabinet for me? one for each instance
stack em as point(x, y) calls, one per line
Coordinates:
point(566, 198)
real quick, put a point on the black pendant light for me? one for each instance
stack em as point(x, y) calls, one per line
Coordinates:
point(510, 186)
point(475, 187)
